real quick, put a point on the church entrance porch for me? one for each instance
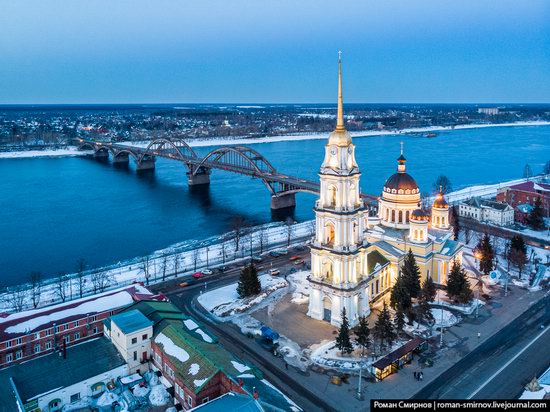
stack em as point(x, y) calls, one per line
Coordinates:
point(327, 309)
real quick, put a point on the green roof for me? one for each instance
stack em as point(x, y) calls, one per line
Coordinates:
point(131, 321)
point(374, 258)
point(193, 367)
point(231, 401)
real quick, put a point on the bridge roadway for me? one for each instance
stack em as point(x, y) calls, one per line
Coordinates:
point(235, 159)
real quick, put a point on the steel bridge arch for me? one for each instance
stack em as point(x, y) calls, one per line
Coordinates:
point(175, 144)
point(261, 167)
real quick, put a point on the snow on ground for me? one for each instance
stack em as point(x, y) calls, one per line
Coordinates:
point(441, 299)
point(299, 286)
point(69, 151)
point(171, 348)
point(225, 301)
point(184, 258)
point(107, 398)
point(159, 396)
point(141, 391)
point(443, 318)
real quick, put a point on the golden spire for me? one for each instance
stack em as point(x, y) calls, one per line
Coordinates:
point(340, 116)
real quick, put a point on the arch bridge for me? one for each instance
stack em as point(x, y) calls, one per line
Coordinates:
point(235, 159)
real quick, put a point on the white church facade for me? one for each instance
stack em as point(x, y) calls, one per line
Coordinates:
point(355, 258)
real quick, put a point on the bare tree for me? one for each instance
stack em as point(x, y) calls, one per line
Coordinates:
point(176, 264)
point(224, 252)
point(196, 258)
point(164, 266)
point(238, 225)
point(81, 280)
point(264, 239)
point(100, 280)
point(289, 230)
point(16, 298)
point(36, 288)
point(442, 183)
point(145, 261)
point(61, 286)
point(425, 200)
point(467, 234)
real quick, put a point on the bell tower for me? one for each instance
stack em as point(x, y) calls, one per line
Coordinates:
point(337, 251)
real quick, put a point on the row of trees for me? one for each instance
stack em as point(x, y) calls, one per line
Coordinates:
point(410, 299)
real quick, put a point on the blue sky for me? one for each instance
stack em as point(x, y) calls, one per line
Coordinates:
point(134, 51)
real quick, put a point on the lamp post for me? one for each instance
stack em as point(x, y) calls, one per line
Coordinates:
point(478, 256)
point(359, 394)
point(441, 324)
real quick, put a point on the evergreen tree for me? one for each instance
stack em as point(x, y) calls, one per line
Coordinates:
point(411, 275)
point(455, 223)
point(518, 243)
point(458, 286)
point(249, 283)
point(362, 334)
point(400, 296)
point(486, 255)
point(383, 329)
point(429, 290)
point(343, 341)
point(536, 217)
point(424, 312)
point(399, 319)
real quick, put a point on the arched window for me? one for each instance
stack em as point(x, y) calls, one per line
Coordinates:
point(400, 216)
point(332, 195)
point(393, 216)
point(329, 234)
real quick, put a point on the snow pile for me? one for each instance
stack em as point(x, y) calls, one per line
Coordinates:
point(225, 301)
point(328, 355)
point(140, 391)
point(171, 409)
point(83, 403)
point(199, 382)
point(443, 318)
point(107, 399)
point(151, 377)
point(194, 369)
point(300, 286)
point(239, 366)
point(171, 348)
point(159, 396)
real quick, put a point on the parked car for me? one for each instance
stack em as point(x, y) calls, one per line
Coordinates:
point(274, 254)
point(184, 284)
point(298, 262)
point(256, 258)
point(207, 272)
point(197, 275)
point(274, 272)
point(295, 258)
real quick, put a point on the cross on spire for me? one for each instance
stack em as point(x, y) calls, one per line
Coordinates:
point(340, 115)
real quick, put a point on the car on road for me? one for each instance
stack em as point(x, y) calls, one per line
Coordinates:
point(256, 258)
point(295, 258)
point(207, 272)
point(184, 284)
point(298, 262)
point(274, 272)
point(274, 254)
point(197, 275)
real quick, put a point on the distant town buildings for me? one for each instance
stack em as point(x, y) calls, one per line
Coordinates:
point(490, 111)
point(498, 213)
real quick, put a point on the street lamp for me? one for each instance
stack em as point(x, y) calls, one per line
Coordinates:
point(359, 394)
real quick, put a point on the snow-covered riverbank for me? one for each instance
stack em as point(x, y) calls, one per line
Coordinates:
point(220, 141)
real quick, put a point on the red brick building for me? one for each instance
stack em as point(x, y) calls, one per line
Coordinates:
point(526, 193)
point(32, 333)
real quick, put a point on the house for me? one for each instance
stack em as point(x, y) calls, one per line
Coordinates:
point(498, 213)
point(526, 193)
point(131, 333)
point(193, 366)
point(522, 213)
point(32, 333)
point(53, 381)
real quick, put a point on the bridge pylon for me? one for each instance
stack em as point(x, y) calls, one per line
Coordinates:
point(283, 201)
point(201, 177)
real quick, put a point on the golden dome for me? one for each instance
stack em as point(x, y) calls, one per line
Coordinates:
point(339, 138)
point(440, 202)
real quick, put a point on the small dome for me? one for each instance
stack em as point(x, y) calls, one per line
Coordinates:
point(419, 215)
point(402, 181)
point(339, 137)
point(440, 202)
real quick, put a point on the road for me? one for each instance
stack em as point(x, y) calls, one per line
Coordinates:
point(273, 368)
point(500, 367)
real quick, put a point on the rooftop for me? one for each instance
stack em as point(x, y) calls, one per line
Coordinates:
point(375, 261)
point(23, 323)
point(51, 372)
point(531, 187)
point(231, 401)
point(131, 321)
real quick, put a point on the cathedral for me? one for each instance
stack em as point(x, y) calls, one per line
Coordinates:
point(355, 258)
